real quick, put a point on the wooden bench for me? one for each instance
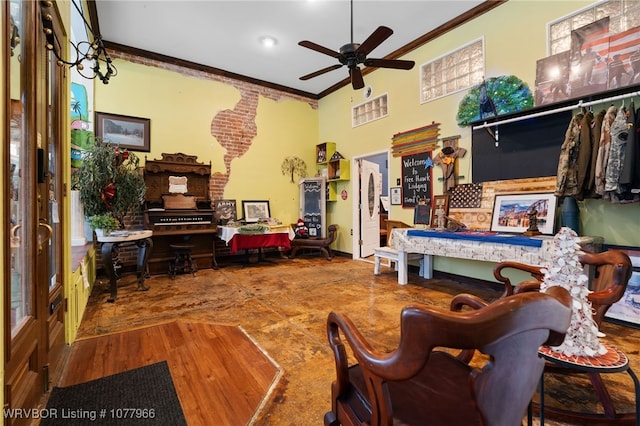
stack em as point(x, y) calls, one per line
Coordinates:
point(391, 254)
point(321, 244)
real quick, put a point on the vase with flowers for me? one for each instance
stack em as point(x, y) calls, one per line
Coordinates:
point(110, 184)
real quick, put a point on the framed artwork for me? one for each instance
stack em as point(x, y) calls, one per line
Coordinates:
point(421, 214)
point(552, 78)
point(590, 59)
point(440, 204)
point(225, 211)
point(132, 133)
point(396, 196)
point(255, 210)
point(626, 311)
point(511, 213)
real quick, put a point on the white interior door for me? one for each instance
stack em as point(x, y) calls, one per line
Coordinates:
point(369, 207)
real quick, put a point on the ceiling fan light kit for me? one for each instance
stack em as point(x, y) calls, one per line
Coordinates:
point(353, 54)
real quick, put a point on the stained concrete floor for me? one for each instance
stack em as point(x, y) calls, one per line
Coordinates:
point(284, 306)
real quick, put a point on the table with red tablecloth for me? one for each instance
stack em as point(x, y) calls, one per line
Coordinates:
point(271, 238)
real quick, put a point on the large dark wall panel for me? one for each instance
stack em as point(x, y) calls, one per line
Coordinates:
point(525, 149)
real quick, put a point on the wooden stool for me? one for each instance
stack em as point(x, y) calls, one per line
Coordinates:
point(614, 361)
point(182, 262)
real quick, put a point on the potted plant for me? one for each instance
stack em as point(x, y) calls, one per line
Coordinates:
point(110, 184)
point(103, 224)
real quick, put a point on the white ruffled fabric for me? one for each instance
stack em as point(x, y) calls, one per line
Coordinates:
point(565, 270)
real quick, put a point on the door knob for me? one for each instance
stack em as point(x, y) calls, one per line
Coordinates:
point(15, 239)
point(48, 233)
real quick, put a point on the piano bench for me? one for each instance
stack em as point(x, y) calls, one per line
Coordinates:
point(182, 262)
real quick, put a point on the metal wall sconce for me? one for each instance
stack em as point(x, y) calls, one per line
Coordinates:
point(94, 52)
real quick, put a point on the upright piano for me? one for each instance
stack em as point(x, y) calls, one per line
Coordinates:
point(178, 210)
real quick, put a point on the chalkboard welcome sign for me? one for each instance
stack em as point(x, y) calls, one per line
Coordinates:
point(416, 179)
point(312, 203)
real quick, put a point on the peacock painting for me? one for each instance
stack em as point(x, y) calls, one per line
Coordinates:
point(492, 97)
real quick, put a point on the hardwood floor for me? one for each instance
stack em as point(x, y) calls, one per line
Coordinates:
point(211, 366)
point(284, 307)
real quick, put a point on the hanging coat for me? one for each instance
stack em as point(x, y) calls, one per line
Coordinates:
point(626, 173)
point(596, 128)
point(619, 136)
point(603, 149)
point(567, 178)
point(583, 162)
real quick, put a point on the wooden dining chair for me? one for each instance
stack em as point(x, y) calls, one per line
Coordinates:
point(422, 382)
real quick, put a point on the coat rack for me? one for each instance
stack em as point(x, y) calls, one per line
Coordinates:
point(580, 104)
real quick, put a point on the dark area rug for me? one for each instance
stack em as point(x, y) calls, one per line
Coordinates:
point(142, 396)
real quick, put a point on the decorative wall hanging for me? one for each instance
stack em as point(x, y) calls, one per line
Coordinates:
point(446, 159)
point(294, 166)
point(466, 196)
point(507, 93)
point(591, 61)
point(597, 61)
point(415, 141)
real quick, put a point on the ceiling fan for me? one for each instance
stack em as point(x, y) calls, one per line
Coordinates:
point(352, 54)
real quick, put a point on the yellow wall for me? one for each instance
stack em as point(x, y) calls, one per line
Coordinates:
point(181, 109)
point(515, 38)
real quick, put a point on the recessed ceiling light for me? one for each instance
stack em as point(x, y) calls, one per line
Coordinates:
point(268, 41)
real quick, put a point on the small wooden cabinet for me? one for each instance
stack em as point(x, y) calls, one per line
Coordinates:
point(332, 167)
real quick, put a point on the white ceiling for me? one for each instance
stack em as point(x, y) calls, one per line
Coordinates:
point(225, 34)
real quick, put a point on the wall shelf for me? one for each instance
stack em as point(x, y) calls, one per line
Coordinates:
point(338, 170)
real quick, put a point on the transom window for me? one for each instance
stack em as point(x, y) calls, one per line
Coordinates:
point(370, 110)
point(453, 72)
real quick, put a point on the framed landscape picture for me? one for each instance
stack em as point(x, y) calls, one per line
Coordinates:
point(132, 133)
point(511, 212)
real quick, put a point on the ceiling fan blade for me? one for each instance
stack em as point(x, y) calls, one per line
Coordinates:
point(378, 36)
point(322, 71)
point(314, 46)
point(356, 77)
point(389, 63)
